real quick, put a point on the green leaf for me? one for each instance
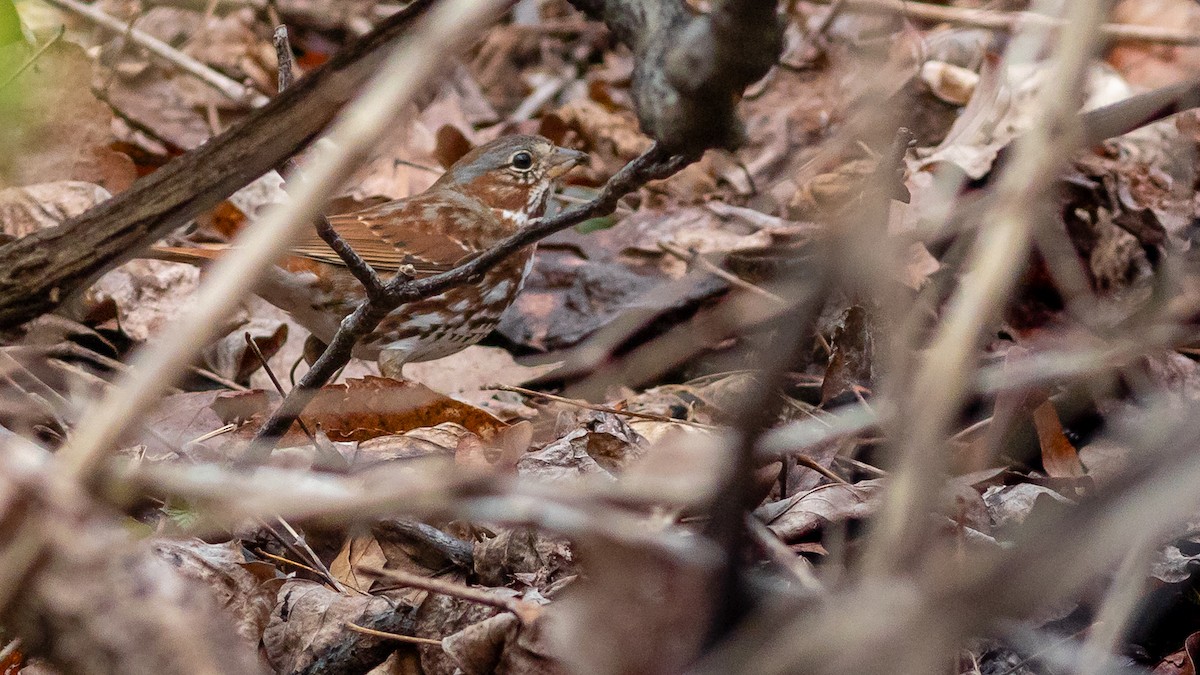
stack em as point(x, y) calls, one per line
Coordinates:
point(596, 224)
point(181, 513)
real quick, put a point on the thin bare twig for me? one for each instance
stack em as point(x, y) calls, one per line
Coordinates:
point(1007, 21)
point(217, 379)
point(392, 636)
point(526, 611)
point(361, 270)
point(600, 408)
point(799, 568)
point(33, 58)
point(231, 88)
point(253, 346)
point(299, 542)
point(289, 561)
point(810, 463)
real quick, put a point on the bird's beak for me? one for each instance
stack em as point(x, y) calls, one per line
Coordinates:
point(563, 160)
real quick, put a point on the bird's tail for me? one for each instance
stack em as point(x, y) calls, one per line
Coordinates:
point(192, 255)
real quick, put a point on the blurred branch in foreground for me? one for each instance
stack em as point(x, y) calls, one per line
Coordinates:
point(1006, 21)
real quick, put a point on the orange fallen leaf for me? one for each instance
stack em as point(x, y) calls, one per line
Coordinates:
point(1059, 457)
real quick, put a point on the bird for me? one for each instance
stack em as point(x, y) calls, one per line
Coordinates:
point(490, 193)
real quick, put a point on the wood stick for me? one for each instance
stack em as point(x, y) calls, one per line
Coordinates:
point(232, 89)
point(524, 609)
point(1007, 21)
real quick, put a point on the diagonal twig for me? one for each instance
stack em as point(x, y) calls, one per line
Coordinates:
point(525, 610)
point(992, 19)
point(33, 58)
point(228, 86)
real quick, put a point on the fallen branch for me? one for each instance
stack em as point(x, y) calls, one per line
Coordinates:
point(991, 19)
point(653, 164)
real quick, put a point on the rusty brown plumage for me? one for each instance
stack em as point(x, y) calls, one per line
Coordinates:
point(484, 197)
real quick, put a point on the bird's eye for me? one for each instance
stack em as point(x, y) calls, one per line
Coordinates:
point(522, 161)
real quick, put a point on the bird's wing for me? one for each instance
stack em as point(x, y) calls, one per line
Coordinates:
point(395, 234)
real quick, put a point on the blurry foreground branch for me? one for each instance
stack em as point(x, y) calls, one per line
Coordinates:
point(942, 384)
point(93, 600)
point(992, 19)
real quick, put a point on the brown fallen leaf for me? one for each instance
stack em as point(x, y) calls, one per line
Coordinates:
point(807, 513)
point(597, 443)
point(357, 552)
point(564, 459)
point(615, 134)
point(442, 440)
point(501, 454)
point(154, 99)
point(149, 295)
point(367, 408)
point(179, 419)
point(232, 358)
point(1011, 505)
point(525, 555)
point(473, 369)
point(439, 616)
point(502, 644)
point(1182, 662)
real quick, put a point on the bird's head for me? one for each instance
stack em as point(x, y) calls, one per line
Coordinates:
point(513, 175)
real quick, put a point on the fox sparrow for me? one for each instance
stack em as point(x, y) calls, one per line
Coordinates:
point(484, 197)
